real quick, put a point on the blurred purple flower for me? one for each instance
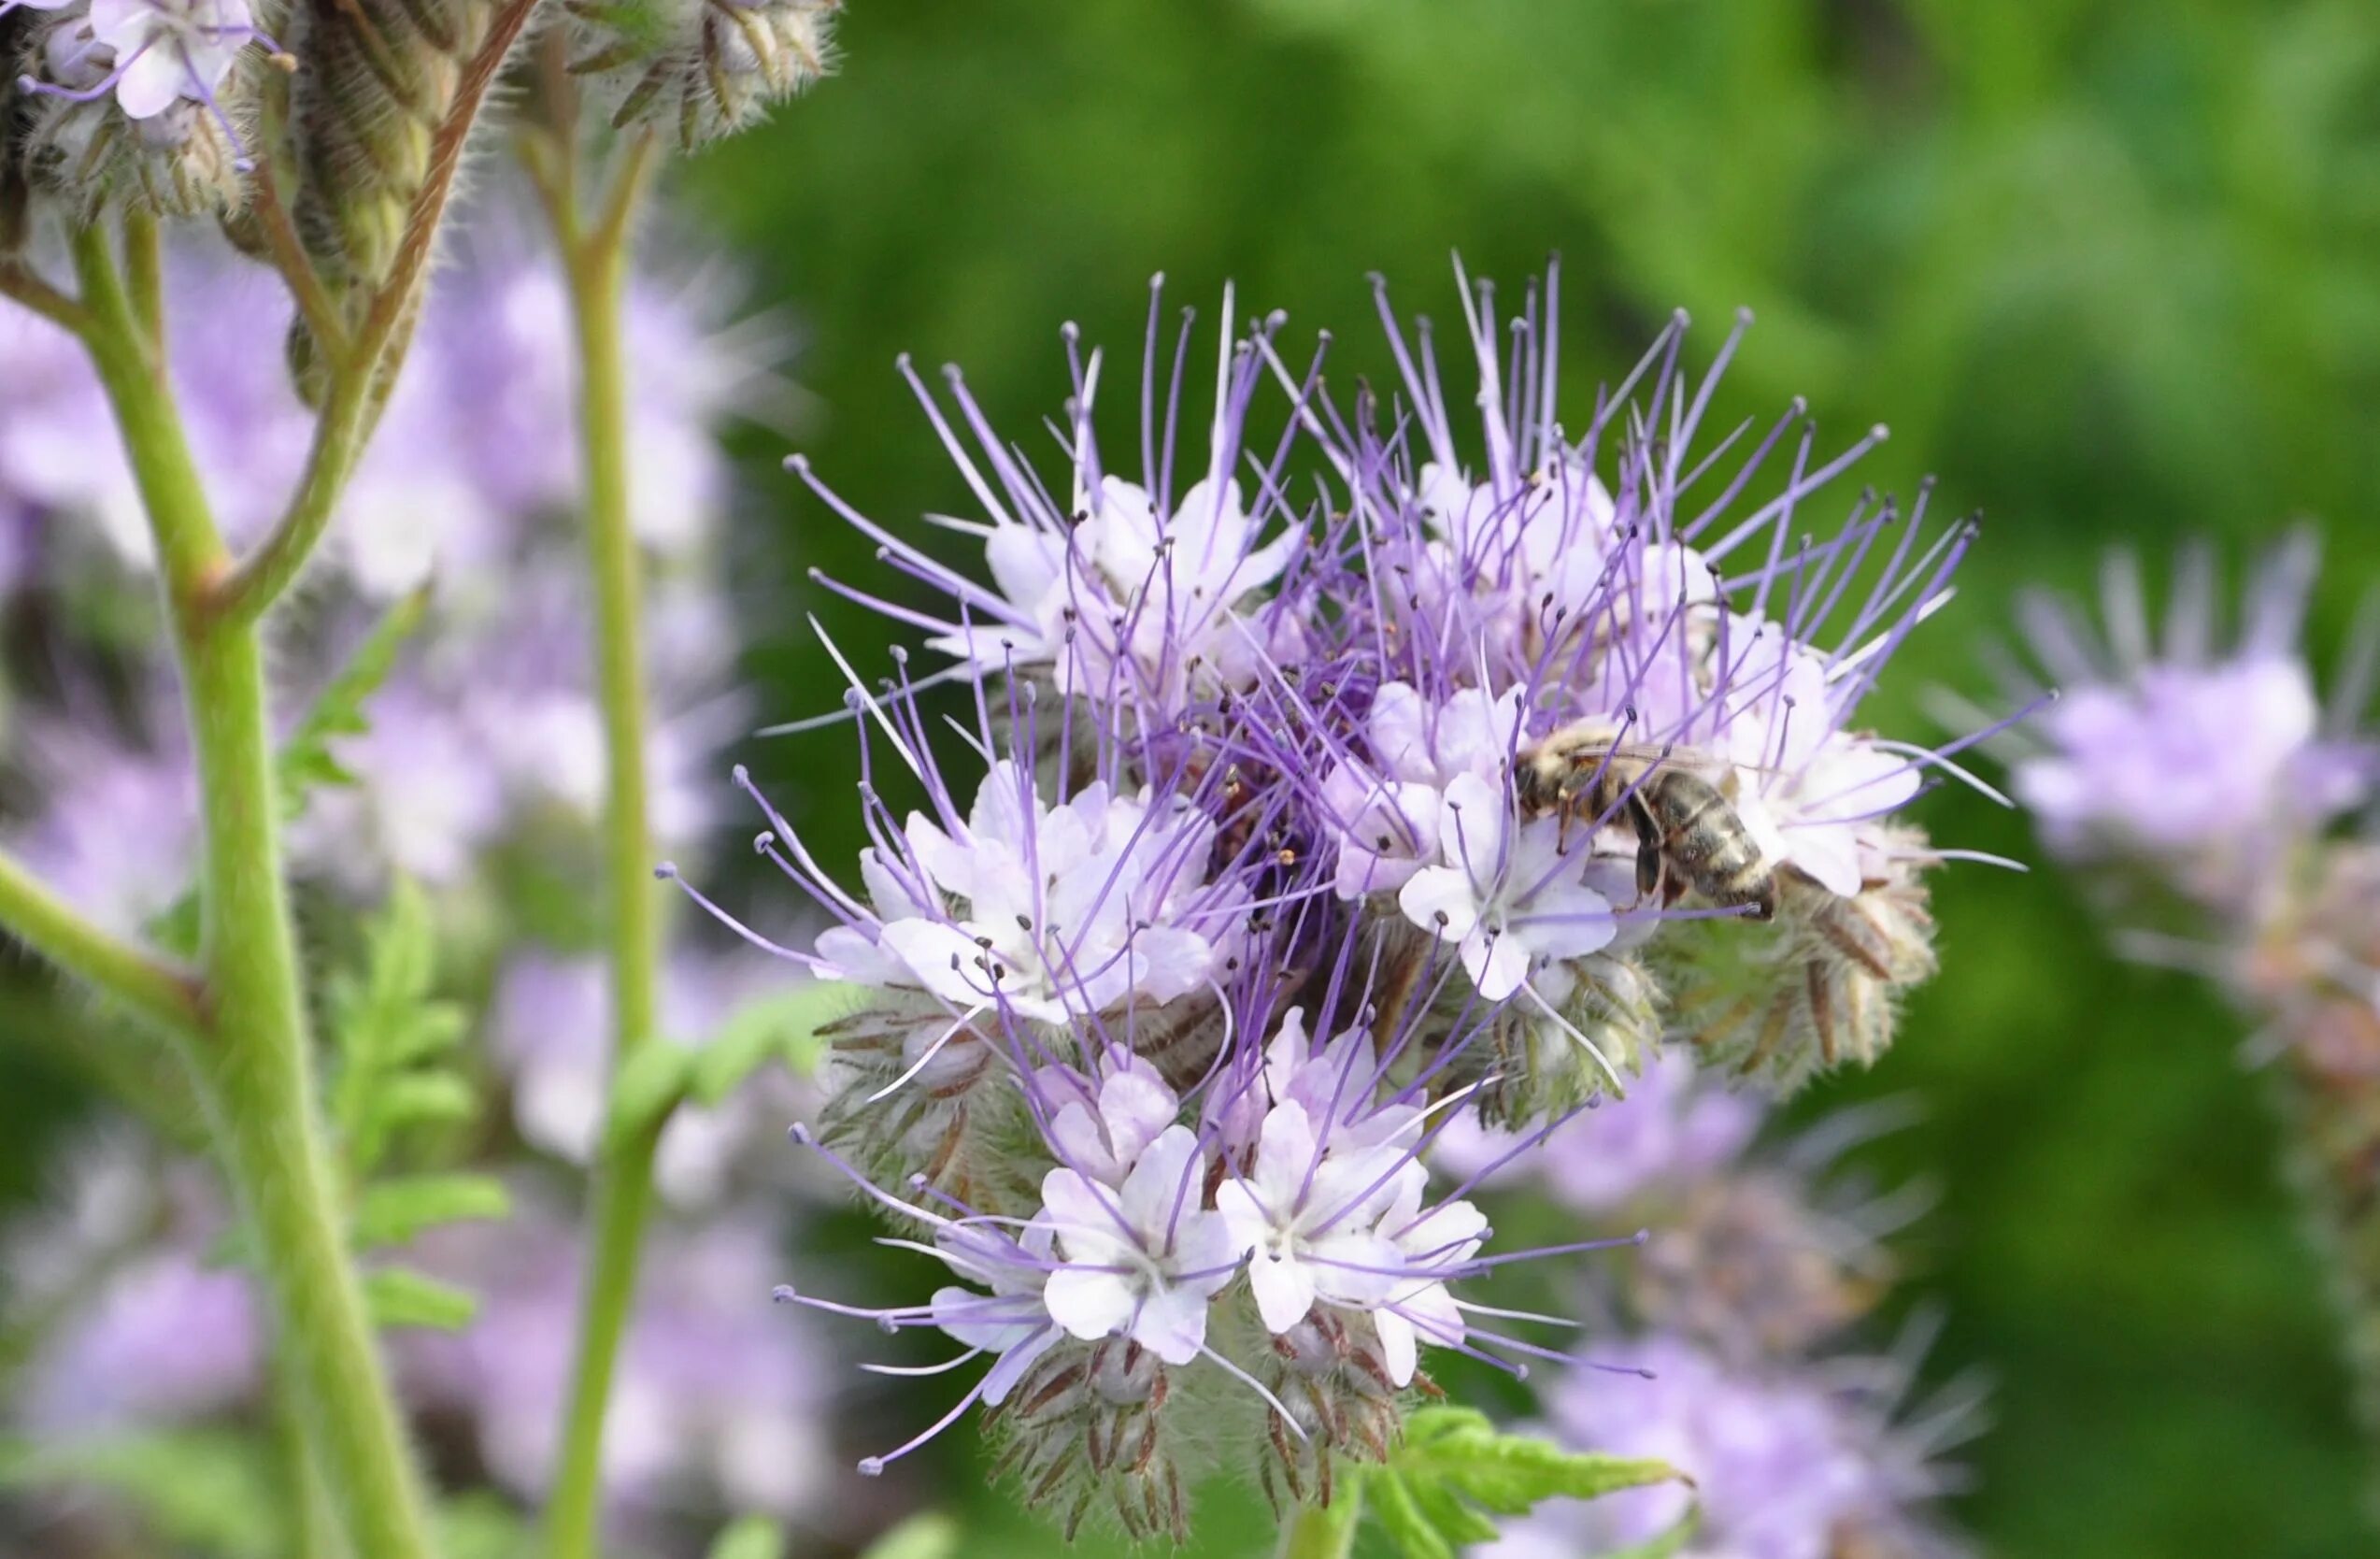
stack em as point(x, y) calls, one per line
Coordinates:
point(1803, 1463)
point(719, 1400)
point(114, 828)
point(2167, 751)
point(134, 1326)
point(1675, 1128)
point(550, 1031)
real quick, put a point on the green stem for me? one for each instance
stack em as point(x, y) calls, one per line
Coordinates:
point(257, 1074)
point(623, 1193)
point(313, 1531)
point(141, 980)
point(1324, 1531)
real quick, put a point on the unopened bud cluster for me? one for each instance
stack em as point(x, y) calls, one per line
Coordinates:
point(2198, 784)
point(1308, 826)
point(700, 69)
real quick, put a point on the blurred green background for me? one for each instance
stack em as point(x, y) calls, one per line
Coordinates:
point(2112, 271)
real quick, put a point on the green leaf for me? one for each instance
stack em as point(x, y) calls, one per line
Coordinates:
point(748, 1538)
point(207, 1489)
point(400, 1297)
point(392, 1211)
point(387, 1029)
point(1456, 1469)
point(781, 1027)
point(1665, 1545)
point(305, 761)
point(930, 1535)
point(646, 1090)
point(423, 1099)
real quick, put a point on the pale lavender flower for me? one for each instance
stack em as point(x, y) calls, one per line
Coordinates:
point(1140, 1261)
point(551, 1030)
point(1109, 589)
point(1675, 1128)
point(136, 1329)
point(1795, 1463)
point(115, 826)
point(719, 1403)
point(1504, 893)
point(2200, 761)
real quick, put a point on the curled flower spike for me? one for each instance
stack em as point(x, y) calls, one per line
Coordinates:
point(1814, 1459)
point(2203, 764)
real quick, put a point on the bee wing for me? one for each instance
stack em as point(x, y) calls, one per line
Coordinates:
point(1672, 754)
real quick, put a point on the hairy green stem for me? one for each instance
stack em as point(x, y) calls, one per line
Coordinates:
point(1324, 1531)
point(143, 980)
point(257, 1072)
point(623, 1193)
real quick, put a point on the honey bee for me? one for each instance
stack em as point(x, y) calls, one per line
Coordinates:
point(1687, 832)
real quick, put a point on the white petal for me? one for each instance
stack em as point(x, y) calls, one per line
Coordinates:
point(1397, 1350)
point(153, 81)
point(1163, 1188)
point(1171, 1325)
point(1284, 1291)
point(1002, 1376)
point(1440, 900)
point(1090, 1305)
point(1498, 964)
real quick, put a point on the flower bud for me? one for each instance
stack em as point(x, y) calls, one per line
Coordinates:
point(1815, 988)
point(380, 77)
point(1088, 1425)
point(707, 66)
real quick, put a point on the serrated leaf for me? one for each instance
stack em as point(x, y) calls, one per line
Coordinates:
point(305, 761)
point(748, 1538)
point(424, 1099)
point(1454, 1469)
point(392, 1211)
point(1402, 1518)
point(647, 1088)
point(400, 1297)
point(1510, 1474)
point(931, 1536)
point(202, 1489)
point(781, 1027)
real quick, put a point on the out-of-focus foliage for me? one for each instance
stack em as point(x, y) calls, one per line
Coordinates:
point(2113, 270)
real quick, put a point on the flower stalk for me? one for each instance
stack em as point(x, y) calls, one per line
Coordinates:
point(256, 1073)
point(595, 258)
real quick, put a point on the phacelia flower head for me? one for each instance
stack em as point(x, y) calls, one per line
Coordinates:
point(1304, 798)
point(1792, 1464)
point(2202, 764)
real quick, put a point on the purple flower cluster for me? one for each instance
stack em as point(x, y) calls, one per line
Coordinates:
point(1737, 1365)
point(1307, 826)
point(489, 722)
point(2206, 765)
point(1789, 1462)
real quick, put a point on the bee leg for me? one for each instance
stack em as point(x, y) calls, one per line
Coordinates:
point(1763, 900)
point(1651, 865)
